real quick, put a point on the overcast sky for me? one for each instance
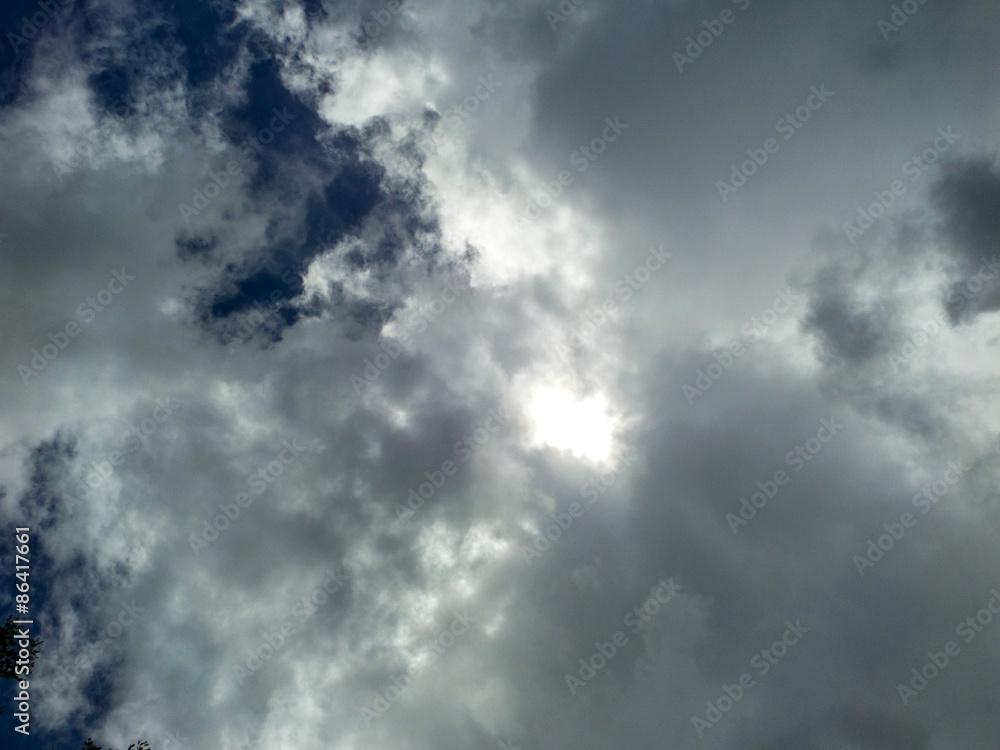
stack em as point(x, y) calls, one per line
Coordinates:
point(464, 374)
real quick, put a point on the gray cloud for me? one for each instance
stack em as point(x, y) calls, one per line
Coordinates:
point(371, 299)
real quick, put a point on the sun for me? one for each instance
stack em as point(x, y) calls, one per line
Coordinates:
point(560, 420)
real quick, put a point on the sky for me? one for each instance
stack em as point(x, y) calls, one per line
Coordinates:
point(464, 374)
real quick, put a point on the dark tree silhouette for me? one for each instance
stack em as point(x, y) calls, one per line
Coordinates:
point(9, 649)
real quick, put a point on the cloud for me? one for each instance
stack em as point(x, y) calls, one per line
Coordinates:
point(337, 283)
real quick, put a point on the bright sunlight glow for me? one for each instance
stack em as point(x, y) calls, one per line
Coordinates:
point(565, 423)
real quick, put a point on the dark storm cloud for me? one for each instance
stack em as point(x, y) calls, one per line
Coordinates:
point(968, 196)
point(870, 333)
point(374, 307)
point(853, 308)
point(353, 197)
point(289, 140)
point(847, 329)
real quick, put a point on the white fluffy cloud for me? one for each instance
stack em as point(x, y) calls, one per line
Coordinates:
point(417, 345)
